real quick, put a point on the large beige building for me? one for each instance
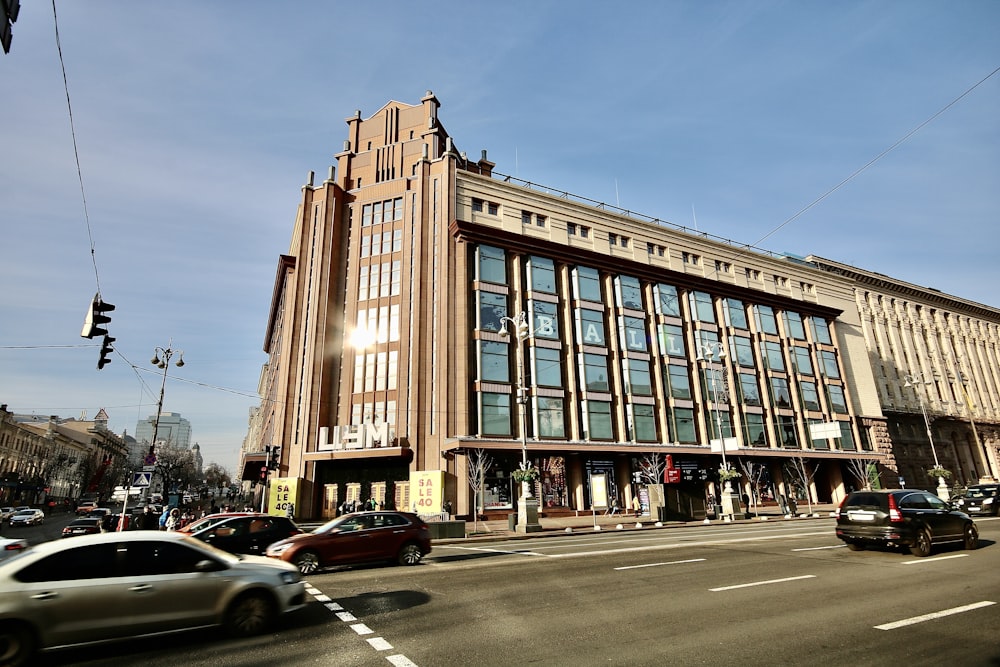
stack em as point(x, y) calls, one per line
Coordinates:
point(388, 367)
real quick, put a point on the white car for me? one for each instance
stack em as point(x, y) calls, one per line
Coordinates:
point(11, 547)
point(5, 513)
point(27, 517)
point(97, 588)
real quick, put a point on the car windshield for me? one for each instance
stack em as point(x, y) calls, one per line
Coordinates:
point(346, 522)
point(25, 513)
point(980, 493)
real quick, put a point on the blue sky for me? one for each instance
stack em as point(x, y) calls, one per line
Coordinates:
point(197, 122)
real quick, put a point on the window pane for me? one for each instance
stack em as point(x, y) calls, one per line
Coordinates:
point(545, 320)
point(742, 351)
point(680, 381)
point(494, 361)
point(736, 314)
point(810, 397)
point(496, 413)
point(668, 304)
point(543, 275)
point(596, 372)
point(793, 325)
point(672, 340)
point(492, 265)
point(491, 308)
point(588, 284)
point(821, 330)
point(551, 423)
point(631, 293)
point(639, 378)
point(829, 361)
point(749, 391)
point(548, 367)
point(775, 359)
point(701, 307)
point(787, 435)
point(765, 319)
point(837, 401)
point(599, 420)
point(635, 334)
point(591, 327)
point(803, 363)
point(753, 426)
point(846, 440)
point(684, 425)
point(644, 423)
point(779, 393)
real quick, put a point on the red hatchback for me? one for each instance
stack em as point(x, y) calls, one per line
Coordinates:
point(362, 537)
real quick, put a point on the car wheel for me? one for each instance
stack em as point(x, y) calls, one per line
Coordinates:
point(409, 555)
point(971, 536)
point(855, 546)
point(307, 562)
point(17, 644)
point(922, 547)
point(250, 614)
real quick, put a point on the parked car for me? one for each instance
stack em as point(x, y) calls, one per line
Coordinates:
point(28, 517)
point(83, 526)
point(908, 518)
point(247, 534)
point(85, 507)
point(5, 513)
point(979, 499)
point(211, 519)
point(357, 538)
point(11, 547)
point(90, 585)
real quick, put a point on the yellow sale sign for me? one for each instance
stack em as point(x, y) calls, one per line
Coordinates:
point(426, 490)
point(282, 494)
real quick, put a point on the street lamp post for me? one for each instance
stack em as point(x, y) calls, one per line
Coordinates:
point(913, 381)
point(527, 506)
point(161, 359)
point(709, 353)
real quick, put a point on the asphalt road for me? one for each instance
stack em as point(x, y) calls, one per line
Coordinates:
point(775, 593)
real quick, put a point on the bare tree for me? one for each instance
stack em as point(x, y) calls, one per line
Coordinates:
point(175, 466)
point(799, 471)
point(652, 467)
point(479, 463)
point(754, 472)
point(864, 470)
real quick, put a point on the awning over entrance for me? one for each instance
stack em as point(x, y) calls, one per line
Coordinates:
point(252, 463)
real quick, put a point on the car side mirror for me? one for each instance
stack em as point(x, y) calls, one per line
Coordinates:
point(208, 565)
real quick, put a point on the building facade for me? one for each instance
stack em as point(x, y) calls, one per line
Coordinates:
point(172, 430)
point(389, 369)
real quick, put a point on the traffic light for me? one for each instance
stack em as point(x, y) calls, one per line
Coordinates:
point(95, 317)
point(275, 458)
point(263, 474)
point(9, 10)
point(106, 349)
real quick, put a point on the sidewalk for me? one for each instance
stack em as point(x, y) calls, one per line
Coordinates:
point(586, 522)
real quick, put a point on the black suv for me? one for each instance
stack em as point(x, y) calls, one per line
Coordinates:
point(980, 499)
point(902, 518)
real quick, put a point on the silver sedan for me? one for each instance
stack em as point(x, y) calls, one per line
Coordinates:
point(123, 585)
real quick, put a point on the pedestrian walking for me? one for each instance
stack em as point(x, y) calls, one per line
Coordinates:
point(173, 520)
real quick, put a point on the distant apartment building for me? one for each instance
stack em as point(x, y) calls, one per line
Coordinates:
point(388, 369)
point(172, 430)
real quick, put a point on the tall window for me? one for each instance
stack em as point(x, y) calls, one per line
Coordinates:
point(838, 403)
point(787, 435)
point(644, 423)
point(493, 361)
point(588, 284)
point(551, 420)
point(803, 362)
point(780, 395)
point(828, 360)
point(742, 351)
point(543, 275)
point(495, 413)
point(749, 391)
point(701, 307)
point(491, 308)
point(639, 378)
point(684, 430)
point(672, 340)
point(810, 397)
point(591, 327)
point(753, 430)
point(793, 326)
point(667, 300)
point(545, 320)
point(599, 422)
point(631, 293)
point(736, 314)
point(680, 381)
point(765, 319)
point(635, 334)
point(548, 367)
point(773, 356)
point(820, 330)
point(595, 372)
point(492, 265)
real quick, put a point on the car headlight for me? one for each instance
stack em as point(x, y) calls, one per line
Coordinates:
point(988, 501)
point(291, 577)
point(278, 549)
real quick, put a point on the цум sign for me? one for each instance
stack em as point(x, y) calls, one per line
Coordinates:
point(355, 436)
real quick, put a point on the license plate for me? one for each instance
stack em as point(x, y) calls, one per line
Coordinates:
point(974, 508)
point(861, 516)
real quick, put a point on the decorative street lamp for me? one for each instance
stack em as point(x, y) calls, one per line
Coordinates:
point(938, 470)
point(161, 359)
point(709, 353)
point(527, 506)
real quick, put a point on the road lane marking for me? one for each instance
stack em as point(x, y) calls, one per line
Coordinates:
point(673, 562)
point(933, 560)
point(400, 661)
point(362, 629)
point(516, 552)
point(835, 546)
point(380, 644)
point(937, 614)
point(761, 583)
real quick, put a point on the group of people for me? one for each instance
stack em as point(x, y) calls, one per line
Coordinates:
point(172, 518)
point(349, 506)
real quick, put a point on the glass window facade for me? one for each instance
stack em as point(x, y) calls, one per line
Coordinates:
point(551, 417)
point(548, 367)
point(667, 303)
point(492, 265)
point(680, 381)
point(494, 362)
point(701, 307)
point(599, 422)
point(495, 413)
point(588, 284)
point(766, 322)
point(639, 379)
point(736, 314)
point(595, 372)
point(644, 423)
point(591, 327)
point(491, 308)
point(773, 356)
point(631, 293)
point(634, 334)
point(672, 340)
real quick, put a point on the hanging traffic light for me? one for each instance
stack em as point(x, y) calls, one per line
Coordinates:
point(95, 317)
point(275, 458)
point(106, 350)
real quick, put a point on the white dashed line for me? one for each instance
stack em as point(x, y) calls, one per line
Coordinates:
point(673, 562)
point(380, 644)
point(346, 616)
point(377, 643)
point(400, 661)
point(930, 617)
point(362, 629)
point(761, 583)
point(933, 560)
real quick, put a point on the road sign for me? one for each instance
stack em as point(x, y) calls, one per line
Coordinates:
point(141, 478)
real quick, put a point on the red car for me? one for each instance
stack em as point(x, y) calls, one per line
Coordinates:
point(361, 537)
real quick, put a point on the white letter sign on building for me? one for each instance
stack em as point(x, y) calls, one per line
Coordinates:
point(355, 436)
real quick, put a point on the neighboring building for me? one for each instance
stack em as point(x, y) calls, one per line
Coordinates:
point(172, 430)
point(53, 458)
point(386, 361)
point(936, 362)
